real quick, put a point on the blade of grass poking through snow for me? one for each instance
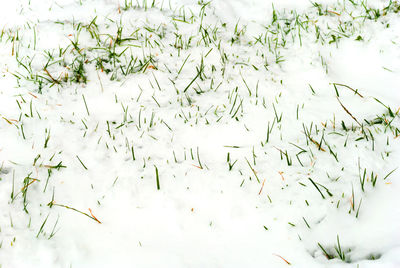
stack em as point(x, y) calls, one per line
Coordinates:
point(191, 82)
point(326, 189)
point(12, 187)
point(252, 169)
point(312, 89)
point(183, 64)
point(157, 178)
point(346, 86)
point(336, 91)
point(362, 180)
point(245, 83)
point(133, 153)
point(94, 217)
point(22, 131)
point(53, 231)
point(81, 163)
point(47, 138)
point(262, 187)
point(306, 223)
point(390, 173)
point(53, 203)
point(358, 209)
point(328, 256)
point(339, 251)
point(198, 159)
point(316, 186)
point(42, 226)
point(348, 112)
point(374, 178)
point(287, 262)
point(84, 100)
point(158, 85)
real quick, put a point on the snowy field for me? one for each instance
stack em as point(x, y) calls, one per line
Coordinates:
point(183, 133)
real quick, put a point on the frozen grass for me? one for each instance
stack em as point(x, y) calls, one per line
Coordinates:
point(178, 130)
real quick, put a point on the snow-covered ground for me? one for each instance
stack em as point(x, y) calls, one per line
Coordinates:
point(189, 133)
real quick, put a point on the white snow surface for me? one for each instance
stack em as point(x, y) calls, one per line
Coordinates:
point(228, 195)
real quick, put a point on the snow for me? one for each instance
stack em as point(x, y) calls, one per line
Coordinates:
point(239, 182)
